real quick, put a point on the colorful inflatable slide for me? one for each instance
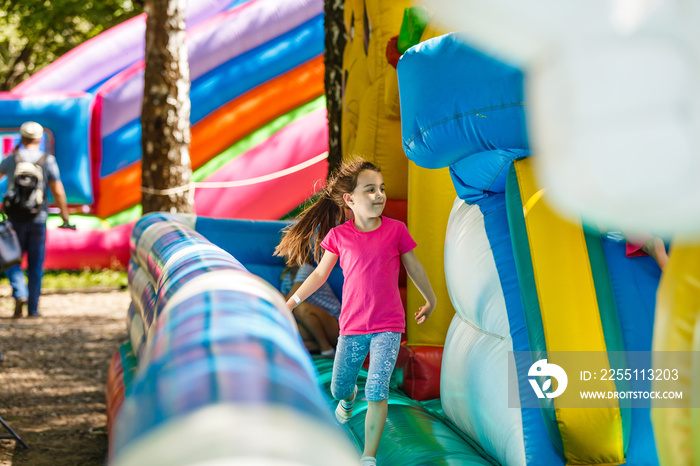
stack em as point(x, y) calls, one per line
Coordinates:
point(259, 127)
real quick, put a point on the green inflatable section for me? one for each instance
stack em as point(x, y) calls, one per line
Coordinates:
point(130, 365)
point(415, 19)
point(82, 222)
point(415, 433)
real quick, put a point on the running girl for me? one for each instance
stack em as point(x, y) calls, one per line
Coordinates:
point(372, 318)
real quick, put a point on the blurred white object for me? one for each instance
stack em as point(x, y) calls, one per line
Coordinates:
point(245, 435)
point(613, 94)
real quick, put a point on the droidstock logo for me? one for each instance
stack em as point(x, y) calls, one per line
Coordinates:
point(543, 369)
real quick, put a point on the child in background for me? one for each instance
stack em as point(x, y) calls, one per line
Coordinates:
point(370, 247)
point(318, 315)
point(647, 244)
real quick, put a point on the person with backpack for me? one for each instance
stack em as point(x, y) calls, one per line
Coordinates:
point(30, 171)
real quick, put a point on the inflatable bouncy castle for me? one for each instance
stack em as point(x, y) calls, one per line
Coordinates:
point(212, 355)
point(525, 279)
point(522, 278)
point(259, 127)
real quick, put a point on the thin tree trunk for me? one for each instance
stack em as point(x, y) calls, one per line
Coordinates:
point(18, 68)
point(165, 118)
point(333, 58)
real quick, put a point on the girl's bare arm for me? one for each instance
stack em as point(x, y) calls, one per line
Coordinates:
point(315, 279)
point(416, 272)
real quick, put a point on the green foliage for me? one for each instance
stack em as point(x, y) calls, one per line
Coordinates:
point(33, 33)
point(80, 280)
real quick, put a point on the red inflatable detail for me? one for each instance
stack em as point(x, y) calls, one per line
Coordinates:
point(114, 392)
point(392, 52)
point(396, 209)
point(92, 249)
point(420, 367)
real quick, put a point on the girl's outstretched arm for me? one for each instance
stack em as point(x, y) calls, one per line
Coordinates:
point(416, 272)
point(314, 280)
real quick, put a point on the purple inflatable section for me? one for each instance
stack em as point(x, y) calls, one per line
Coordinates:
point(108, 53)
point(210, 44)
point(229, 34)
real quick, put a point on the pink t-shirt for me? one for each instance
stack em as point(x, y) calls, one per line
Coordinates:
point(370, 261)
point(633, 248)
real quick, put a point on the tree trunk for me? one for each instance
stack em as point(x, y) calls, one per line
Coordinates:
point(18, 68)
point(165, 118)
point(333, 58)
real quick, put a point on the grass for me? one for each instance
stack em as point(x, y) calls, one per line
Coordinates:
point(80, 279)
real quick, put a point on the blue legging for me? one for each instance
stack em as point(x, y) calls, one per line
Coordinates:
point(351, 353)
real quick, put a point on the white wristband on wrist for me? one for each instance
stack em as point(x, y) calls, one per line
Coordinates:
point(296, 299)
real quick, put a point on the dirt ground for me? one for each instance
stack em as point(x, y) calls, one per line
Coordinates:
point(52, 379)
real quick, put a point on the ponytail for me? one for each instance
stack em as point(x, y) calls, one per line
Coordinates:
point(302, 240)
point(313, 225)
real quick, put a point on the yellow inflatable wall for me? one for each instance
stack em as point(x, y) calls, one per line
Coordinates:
point(369, 129)
point(677, 331)
point(431, 194)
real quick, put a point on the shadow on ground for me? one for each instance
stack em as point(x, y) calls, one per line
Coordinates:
point(52, 379)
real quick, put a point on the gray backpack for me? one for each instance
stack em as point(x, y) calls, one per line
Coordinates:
point(25, 195)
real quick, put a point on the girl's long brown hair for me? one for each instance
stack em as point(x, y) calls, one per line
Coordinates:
point(318, 219)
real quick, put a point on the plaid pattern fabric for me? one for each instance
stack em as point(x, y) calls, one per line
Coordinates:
point(217, 337)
